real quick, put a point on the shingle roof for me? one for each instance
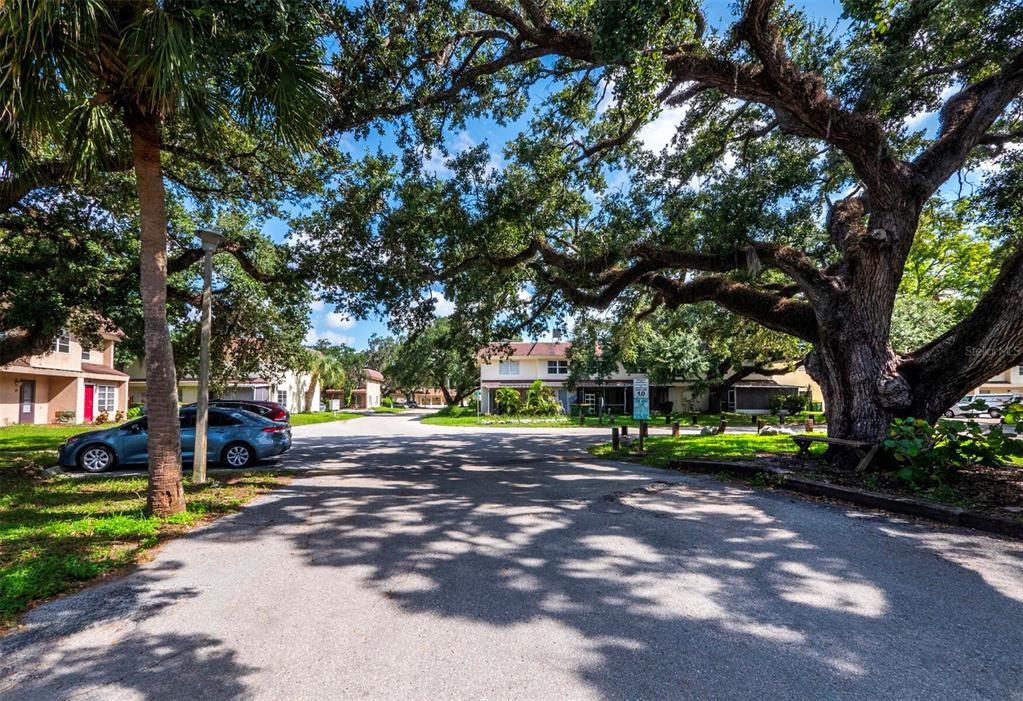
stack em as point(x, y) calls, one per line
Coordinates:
point(373, 375)
point(94, 369)
point(533, 349)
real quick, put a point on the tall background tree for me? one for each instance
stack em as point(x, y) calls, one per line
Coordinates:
point(440, 357)
point(790, 192)
point(98, 86)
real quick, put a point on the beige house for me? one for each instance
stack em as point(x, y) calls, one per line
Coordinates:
point(1008, 382)
point(527, 362)
point(70, 382)
point(523, 363)
point(366, 396)
point(289, 391)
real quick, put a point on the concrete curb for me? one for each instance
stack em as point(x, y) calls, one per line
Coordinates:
point(951, 515)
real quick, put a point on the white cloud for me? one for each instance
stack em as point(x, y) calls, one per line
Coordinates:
point(312, 336)
point(657, 134)
point(318, 305)
point(442, 307)
point(435, 162)
point(915, 122)
point(524, 295)
point(338, 321)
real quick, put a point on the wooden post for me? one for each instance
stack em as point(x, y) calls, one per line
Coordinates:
point(674, 430)
point(722, 426)
point(625, 429)
point(582, 417)
point(696, 419)
point(809, 424)
point(641, 450)
point(616, 441)
point(667, 419)
point(644, 429)
point(760, 425)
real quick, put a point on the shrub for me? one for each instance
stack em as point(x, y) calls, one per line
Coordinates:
point(457, 411)
point(930, 456)
point(134, 411)
point(65, 417)
point(101, 418)
point(387, 402)
point(507, 400)
point(540, 401)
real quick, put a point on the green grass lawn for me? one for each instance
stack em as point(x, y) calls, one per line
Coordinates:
point(388, 409)
point(660, 450)
point(58, 532)
point(319, 417)
point(463, 416)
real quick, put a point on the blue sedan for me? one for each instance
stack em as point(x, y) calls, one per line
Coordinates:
point(235, 438)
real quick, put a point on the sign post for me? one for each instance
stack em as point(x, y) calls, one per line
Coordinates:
point(478, 398)
point(641, 399)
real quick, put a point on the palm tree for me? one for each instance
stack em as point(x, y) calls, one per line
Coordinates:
point(325, 369)
point(95, 85)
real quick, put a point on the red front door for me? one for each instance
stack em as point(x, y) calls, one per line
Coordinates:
point(90, 395)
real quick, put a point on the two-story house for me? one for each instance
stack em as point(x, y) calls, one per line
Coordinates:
point(71, 382)
point(291, 390)
point(367, 395)
point(518, 365)
point(1008, 382)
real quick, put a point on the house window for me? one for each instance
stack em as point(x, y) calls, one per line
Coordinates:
point(86, 354)
point(508, 367)
point(105, 398)
point(61, 344)
point(557, 367)
point(282, 397)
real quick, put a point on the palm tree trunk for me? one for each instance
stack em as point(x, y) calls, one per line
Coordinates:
point(314, 377)
point(165, 494)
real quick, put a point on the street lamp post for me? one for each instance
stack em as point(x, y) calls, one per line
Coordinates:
point(210, 241)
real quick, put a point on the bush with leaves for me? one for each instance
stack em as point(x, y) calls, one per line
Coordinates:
point(540, 401)
point(932, 455)
point(508, 400)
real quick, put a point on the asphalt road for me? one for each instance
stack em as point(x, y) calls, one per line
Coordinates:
point(432, 563)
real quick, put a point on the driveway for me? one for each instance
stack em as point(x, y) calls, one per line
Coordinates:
point(427, 562)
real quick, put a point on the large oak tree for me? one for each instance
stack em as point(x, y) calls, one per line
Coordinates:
point(790, 195)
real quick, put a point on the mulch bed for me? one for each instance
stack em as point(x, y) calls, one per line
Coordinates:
point(997, 491)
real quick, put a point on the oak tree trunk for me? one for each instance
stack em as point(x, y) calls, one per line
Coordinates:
point(852, 361)
point(165, 494)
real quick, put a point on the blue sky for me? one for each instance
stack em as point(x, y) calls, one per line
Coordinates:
point(325, 323)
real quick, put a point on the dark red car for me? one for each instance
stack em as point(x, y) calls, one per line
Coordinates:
point(268, 410)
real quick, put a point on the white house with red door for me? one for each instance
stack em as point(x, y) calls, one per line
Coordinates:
point(72, 382)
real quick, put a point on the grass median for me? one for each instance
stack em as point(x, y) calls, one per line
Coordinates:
point(661, 450)
point(57, 533)
point(321, 417)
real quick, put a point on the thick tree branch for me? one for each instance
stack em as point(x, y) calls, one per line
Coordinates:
point(965, 120)
point(985, 343)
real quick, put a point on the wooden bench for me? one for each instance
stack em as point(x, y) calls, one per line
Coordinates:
point(866, 451)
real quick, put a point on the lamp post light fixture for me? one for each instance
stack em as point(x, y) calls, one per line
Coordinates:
point(210, 240)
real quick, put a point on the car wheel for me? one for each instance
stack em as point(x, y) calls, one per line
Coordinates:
point(95, 458)
point(950, 414)
point(994, 413)
point(238, 455)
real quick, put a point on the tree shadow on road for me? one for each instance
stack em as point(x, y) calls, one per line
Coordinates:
point(145, 667)
point(666, 585)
